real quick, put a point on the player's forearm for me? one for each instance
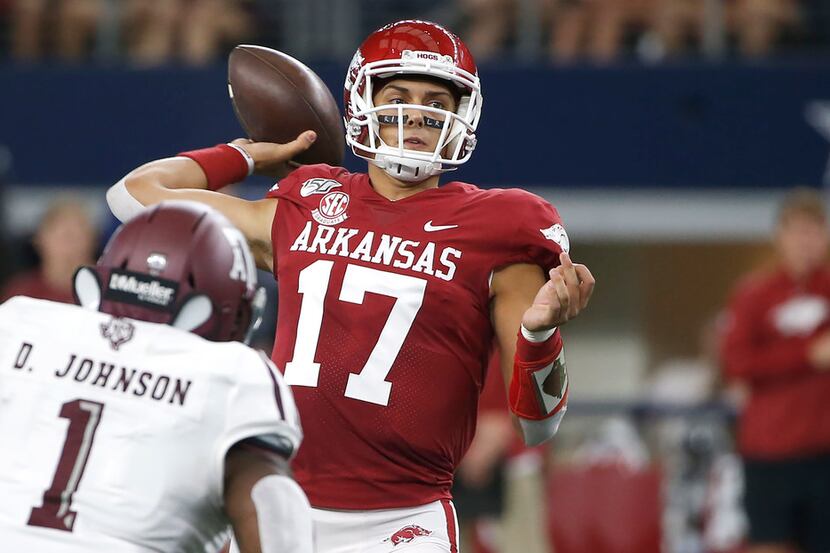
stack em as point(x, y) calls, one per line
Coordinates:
point(171, 173)
point(186, 176)
point(152, 183)
point(538, 392)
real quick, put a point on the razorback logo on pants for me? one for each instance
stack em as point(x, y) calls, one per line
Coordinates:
point(407, 534)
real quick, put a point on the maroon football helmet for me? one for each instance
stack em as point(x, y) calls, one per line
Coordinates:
point(417, 49)
point(178, 263)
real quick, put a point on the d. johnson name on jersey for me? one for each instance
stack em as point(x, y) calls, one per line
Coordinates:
point(108, 376)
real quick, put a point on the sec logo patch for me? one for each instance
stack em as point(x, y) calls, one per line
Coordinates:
point(332, 208)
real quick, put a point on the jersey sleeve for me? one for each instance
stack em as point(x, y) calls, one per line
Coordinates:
point(534, 230)
point(260, 406)
point(291, 186)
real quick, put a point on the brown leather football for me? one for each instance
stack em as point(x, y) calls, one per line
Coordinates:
point(276, 97)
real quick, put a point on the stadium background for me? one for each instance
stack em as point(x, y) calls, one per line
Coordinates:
point(666, 169)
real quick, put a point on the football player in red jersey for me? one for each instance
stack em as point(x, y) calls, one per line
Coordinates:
point(392, 288)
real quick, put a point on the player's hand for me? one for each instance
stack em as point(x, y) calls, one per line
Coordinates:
point(562, 298)
point(272, 159)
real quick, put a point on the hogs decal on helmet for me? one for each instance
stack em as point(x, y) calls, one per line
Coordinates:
point(178, 263)
point(412, 48)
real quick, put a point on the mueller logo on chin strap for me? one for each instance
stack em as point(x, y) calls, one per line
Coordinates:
point(407, 534)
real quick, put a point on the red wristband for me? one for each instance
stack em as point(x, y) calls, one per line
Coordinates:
point(534, 363)
point(222, 164)
point(528, 352)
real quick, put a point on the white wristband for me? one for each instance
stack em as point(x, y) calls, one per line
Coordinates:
point(248, 159)
point(537, 336)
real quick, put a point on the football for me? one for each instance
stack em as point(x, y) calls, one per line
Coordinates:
point(276, 97)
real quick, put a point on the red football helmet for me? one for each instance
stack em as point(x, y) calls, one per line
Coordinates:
point(178, 263)
point(404, 48)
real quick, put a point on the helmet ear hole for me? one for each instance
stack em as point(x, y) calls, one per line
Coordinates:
point(87, 288)
point(195, 312)
point(191, 280)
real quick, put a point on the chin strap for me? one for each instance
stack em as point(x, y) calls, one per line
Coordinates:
point(405, 169)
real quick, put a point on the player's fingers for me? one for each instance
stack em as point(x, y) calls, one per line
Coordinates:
point(560, 288)
point(568, 275)
point(299, 145)
point(586, 284)
point(307, 138)
point(569, 272)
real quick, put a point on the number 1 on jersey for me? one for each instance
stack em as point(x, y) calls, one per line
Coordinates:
point(56, 511)
point(370, 383)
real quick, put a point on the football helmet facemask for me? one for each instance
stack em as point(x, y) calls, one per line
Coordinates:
point(415, 48)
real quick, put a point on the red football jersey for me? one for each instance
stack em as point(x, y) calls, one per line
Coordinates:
point(771, 322)
point(384, 325)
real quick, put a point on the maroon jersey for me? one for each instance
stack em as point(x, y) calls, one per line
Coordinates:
point(772, 320)
point(384, 325)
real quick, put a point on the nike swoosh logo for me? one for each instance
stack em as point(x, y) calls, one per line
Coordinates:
point(429, 227)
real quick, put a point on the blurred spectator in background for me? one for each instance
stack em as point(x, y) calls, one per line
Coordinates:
point(579, 29)
point(65, 29)
point(605, 30)
point(195, 32)
point(678, 25)
point(777, 341)
point(210, 26)
point(756, 25)
point(489, 25)
point(64, 240)
point(150, 32)
point(593, 29)
point(759, 24)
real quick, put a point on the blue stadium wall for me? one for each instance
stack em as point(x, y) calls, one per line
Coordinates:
point(679, 125)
